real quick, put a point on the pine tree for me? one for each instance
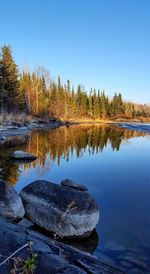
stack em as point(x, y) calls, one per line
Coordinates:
point(114, 105)
point(90, 104)
point(121, 106)
point(104, 105)
point(73, 103)
point(117, 106)
point(12, 96)
point(60, 99)
point(79, 100)
point(96, 105)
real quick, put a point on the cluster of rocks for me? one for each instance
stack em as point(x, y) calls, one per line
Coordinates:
point(66, 210)
point(35, 124)
point(15, 134)
point(63, 210)
point(9, 130)
point(52, 256)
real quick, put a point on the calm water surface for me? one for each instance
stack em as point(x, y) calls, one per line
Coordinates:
point(115, 166)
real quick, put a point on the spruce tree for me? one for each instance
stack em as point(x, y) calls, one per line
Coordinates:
point(96, 105)
point(90, 104)
point(12, 95)
point(104, 105)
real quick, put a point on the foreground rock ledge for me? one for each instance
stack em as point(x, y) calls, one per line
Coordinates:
point(53, 257)
point(63, 210)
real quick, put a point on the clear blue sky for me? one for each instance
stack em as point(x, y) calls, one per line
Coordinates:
point(98, 43)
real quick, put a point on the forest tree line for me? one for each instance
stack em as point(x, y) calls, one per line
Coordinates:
point(36, 94)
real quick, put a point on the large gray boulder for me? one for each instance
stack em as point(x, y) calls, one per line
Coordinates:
point(10, 203)
point(22, 155)
point(65, 211)
point(52, 257)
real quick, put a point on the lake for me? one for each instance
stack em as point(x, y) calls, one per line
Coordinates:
point(114, 164)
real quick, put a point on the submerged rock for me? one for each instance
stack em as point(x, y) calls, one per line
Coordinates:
point(22, 155)
point(10, 203)
point(65, 211)
point(52, 257)
point(72, 184)
point(26, 223)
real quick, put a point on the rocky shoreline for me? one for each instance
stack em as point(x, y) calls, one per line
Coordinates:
point(76, 215)
point(52, 256)
point(15, 129)
point(11, 129)
point(64, 210)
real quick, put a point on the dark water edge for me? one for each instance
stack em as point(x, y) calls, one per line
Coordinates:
point(114, 164)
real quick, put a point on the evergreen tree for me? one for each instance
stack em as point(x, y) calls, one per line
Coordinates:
point(73, 103)
point(30, 92)
point(117, 106)
point(60, 99)
point(96, 105)
point(104, 105)
point(79, 100)
point(90, 104)
point(12, 95)
point(121, 106)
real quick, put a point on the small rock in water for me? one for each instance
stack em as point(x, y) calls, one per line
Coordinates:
point(10, 203)
point(22, 155)
point(72, 184)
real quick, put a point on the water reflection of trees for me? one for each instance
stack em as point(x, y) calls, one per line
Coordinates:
point(9, 171)
point(62, 143)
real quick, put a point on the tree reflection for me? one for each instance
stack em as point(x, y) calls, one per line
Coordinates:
point(63, 143)
point(9, 171)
